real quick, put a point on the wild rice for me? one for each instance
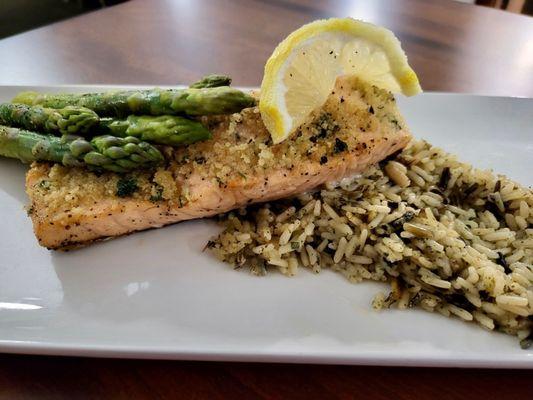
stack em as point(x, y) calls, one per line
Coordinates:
point(447, 237)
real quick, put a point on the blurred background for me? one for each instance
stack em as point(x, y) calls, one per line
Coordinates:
point(17, 16)
point(465, 46)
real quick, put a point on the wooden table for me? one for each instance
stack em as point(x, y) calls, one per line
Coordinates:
point(453, 47)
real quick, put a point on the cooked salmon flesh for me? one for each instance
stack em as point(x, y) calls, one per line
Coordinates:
point(358, 126)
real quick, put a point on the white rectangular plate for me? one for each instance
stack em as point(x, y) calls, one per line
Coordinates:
point(156, 295)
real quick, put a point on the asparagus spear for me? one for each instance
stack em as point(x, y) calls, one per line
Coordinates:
point(165, 129)
point(210, 81)
point(190, 101)
point(102, 152)
point(68, 120)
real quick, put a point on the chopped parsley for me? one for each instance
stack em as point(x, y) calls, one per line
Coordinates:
point(126, 187)
point(395, 122)
point(44, 184)
point(158, 195)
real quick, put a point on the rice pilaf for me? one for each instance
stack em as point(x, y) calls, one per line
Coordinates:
point(448, 238)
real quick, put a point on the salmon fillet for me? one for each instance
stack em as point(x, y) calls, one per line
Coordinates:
point(358, 126)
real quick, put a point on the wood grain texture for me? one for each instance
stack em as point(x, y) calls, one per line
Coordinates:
point(28, 377)
point(453, 46)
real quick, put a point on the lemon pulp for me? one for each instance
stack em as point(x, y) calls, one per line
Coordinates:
point(302, 70)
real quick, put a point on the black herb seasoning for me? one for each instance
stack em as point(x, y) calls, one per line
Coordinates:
point(459, 301)
point(209, 245)
point(471, 189)
point(199, 160)
point(323, 133)
point(444, 178)
point(391, 157)
point(415, 300)
point(395, 122)
point(329, 250)
point(493, 208)
point(126, 187)
point(484, 295)
point(44, 184)
point(397, 224)
point(503, 262)
point(526, 343)
point(158, 196)
point(339, 146)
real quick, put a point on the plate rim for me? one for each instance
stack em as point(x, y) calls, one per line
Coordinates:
point(370, 358)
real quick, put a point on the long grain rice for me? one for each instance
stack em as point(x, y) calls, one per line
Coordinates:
point(449, 238)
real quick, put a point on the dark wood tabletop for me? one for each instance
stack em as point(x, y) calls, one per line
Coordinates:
point(452, 46)
point(29, 377)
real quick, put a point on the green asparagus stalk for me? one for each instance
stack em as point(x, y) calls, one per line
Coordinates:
point(165, 129)
point(101, 153)
point(68, 120)
point(210, 81)
point(189, 101)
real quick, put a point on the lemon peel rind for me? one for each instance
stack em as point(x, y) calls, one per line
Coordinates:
point(383, 37)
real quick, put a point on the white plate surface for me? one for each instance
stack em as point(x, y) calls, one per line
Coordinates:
point(156, 295)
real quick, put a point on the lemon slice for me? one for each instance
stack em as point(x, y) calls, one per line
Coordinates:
point(301, 72)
